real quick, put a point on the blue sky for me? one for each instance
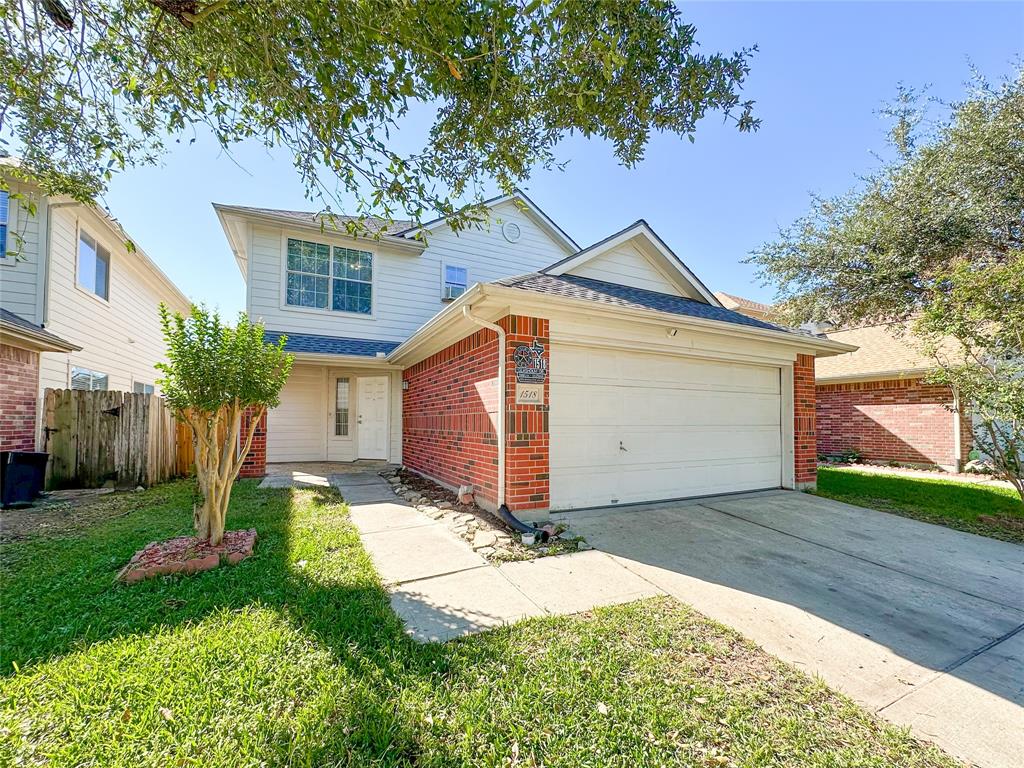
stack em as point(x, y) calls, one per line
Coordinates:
point(822, 72)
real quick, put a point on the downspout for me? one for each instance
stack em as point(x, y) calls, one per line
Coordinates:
point(503, 511)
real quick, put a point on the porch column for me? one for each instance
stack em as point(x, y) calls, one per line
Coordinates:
point(255, 464)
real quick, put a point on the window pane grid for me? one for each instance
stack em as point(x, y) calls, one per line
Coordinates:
point(318, 273)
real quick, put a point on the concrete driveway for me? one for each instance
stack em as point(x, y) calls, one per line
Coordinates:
point(923, 624)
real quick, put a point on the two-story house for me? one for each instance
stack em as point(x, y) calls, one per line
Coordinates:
point(78, 306)
point(506, 357)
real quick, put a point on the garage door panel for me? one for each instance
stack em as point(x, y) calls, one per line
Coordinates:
point(618, 368)
point(628, 427)
point(600, 448)
point(610, 405)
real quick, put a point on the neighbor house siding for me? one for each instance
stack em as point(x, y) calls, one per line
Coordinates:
point(902, 420)
point(120, 337)
point(19, 371)
point(407, 286)
point(20, 275)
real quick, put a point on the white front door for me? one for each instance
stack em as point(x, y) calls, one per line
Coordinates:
point(372, 416)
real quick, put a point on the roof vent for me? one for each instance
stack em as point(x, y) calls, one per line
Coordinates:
point(511, 231)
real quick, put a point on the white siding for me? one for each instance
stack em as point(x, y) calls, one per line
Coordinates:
point(407, 287)
point(301, 428)
point(120, 337)
point(297, 428)
point(627, 266)
point(20, 278)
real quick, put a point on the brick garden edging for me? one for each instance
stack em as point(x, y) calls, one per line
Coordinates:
point(186, 554)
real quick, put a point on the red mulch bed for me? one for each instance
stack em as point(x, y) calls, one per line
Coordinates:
point(187, 554)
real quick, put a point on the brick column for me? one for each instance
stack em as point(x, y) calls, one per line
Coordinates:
point(805, 449)
point(527, 456)
point(19, 398)
point(255, 464)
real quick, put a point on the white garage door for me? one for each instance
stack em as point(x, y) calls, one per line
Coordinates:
point(628, 427)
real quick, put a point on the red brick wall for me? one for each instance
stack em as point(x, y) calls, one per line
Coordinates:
point(19, 397)
point(255, 463)
point(450, 411)
point(527, 466)
point(903, 420)
point(805, 452)
point(448, 415)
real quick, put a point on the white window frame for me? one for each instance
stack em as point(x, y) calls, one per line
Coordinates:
point(331, 243)
point(445, 266)
point(93, 375)
point(100, 243)
point(348, 406)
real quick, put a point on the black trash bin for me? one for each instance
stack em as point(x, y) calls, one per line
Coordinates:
point(22, 474)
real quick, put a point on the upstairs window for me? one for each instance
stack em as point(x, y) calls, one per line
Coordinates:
point(4, 213)
point(93, 266)
point(325, 277)
point(83, 378)
point(456, 281)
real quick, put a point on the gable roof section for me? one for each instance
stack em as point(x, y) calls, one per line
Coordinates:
point(375, 224)
point(614, 294)
point(642, 235)
point(740, 304)
point(540, 218)
point(883, 353)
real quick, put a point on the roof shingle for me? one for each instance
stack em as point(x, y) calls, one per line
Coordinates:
point(613, 294)
point(329, 345)
point(374, 224)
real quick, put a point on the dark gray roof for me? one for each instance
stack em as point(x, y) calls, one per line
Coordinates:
point(373, 223)
point(10, 319)
point(613, 294)
point(330, 345)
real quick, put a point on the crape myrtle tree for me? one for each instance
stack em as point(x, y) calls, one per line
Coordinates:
point(215, 373)
point(89, 87)
point(934, 242)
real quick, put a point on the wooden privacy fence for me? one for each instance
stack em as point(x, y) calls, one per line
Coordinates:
point(94, 437)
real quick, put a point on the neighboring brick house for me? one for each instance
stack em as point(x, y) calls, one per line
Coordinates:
point(21, 344)
point(603, 375)
point(875, 401)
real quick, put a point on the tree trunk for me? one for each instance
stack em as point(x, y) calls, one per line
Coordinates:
point(218, 461)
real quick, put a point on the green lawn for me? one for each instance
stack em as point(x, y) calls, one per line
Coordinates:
point(946, 502)
point(294, 658)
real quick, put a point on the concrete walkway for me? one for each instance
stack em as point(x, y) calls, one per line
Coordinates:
point(442, 589)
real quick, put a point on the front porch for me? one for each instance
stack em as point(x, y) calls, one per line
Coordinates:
point(332, 414)
point(304, 474)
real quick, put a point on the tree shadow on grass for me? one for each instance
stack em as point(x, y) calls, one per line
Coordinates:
point(59, 596)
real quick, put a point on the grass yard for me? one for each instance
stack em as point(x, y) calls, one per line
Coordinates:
point(945, 502)
point(294, 658)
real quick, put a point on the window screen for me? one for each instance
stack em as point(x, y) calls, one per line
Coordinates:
point(93, 266)
point(83, 378)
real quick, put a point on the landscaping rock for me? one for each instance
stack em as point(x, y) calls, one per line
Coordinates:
point(484, 539)
point(445, 505)
point(187, 554)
